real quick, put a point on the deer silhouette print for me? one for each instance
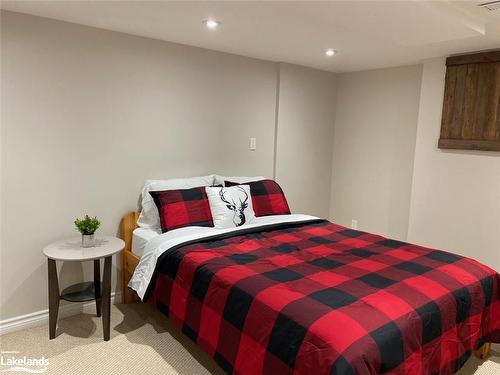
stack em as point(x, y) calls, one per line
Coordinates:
point(237, 208)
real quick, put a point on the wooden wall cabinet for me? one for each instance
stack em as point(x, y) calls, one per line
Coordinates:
point(471, 108)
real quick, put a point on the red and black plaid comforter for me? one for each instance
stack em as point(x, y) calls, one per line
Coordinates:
point(318, 298)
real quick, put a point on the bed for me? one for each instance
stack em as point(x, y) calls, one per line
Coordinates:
point(301, 295)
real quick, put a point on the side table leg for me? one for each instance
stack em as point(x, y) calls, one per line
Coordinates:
point(106, 297)
point(53, 297)
point(97, 286)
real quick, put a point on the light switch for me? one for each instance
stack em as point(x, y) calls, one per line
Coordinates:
point(253, 144)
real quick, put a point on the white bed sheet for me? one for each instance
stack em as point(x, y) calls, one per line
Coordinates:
point(163, 242)
point(140, 237)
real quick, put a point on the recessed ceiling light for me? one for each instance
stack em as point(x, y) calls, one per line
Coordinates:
point(330, 52)
point(211, 24)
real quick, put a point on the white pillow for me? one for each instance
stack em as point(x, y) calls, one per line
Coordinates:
point(219, 180)
point(149, 217)
point(230, 206)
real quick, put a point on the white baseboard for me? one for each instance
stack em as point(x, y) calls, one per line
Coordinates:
point(38, 318)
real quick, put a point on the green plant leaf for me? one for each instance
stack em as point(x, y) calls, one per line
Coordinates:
point(87, 225)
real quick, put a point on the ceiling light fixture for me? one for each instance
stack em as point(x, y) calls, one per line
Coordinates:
point(330, 52)
point(211, 24)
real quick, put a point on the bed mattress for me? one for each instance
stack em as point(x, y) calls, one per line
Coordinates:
point(311, 297)
point(140, 238)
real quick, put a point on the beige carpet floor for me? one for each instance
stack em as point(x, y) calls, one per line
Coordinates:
point(142, 342)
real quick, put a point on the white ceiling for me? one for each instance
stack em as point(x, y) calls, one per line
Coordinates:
point(367, 34)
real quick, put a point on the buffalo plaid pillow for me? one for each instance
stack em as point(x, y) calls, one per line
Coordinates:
point(183, 208)
point(267, 197)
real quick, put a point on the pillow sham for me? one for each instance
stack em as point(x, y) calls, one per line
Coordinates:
point(182, 208)
point(230, 206)
point(219, 180)
point(149, 217)
point(267, 197)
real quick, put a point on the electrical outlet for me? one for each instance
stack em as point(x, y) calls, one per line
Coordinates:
point(354, 224)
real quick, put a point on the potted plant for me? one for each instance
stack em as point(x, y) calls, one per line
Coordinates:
point(87, 227)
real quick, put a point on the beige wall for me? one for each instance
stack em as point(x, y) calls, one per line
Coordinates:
point(304, 137)
point(389, 174)
point(374, 140)
point(455, 202)
point(89, 114)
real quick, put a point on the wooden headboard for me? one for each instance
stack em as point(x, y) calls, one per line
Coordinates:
point(130, 260)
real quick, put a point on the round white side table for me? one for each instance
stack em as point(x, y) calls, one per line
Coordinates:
point(71, 250)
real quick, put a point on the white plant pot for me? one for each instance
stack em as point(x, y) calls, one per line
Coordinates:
point(88, 240)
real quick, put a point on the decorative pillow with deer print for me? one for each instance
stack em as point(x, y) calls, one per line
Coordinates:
point(230, 206)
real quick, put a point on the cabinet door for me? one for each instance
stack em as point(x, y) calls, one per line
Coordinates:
point(471, 107)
